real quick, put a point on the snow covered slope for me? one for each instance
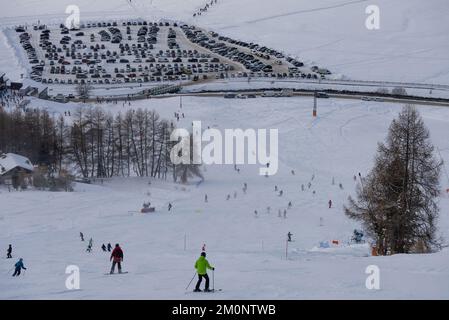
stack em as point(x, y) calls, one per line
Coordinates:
point(248, 252)
point(411, 44)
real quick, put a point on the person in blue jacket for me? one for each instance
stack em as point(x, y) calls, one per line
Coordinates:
point(19, 266)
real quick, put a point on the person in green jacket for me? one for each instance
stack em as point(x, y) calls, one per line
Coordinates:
point(201, 266)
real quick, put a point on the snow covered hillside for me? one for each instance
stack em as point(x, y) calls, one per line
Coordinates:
point(247, 251)
point(411, 44)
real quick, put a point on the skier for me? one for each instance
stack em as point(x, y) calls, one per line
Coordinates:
point(89, 247)
point(8, 252)
point(205, 198)
point(281, 193)
point(330, 204)
point(103, 247)
point(228, 197)
point(116, 258)
point(201, 266)
point(109, 247)
point(285, 214)
point(169, 206)
point(275, 188)
point(289, 235)
point(289, 204)
point(255, 213)
point(18, 267)
point(82, 236)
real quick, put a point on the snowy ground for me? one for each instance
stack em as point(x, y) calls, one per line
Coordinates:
point(410, 46)
point(248, 252)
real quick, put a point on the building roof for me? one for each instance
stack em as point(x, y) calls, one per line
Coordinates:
point(10, 161)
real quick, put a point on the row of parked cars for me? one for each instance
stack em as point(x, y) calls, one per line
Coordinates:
point(36, 66)
point(208, 42)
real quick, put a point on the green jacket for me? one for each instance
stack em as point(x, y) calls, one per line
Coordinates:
point(201, 265)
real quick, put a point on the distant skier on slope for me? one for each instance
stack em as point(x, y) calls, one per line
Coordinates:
point(89, 247)
point(103, 247)
point(82, 236)
point(116, 258)
point(330, 204)
point(109, 247)
point(201, 266)
point(8, 252)
point(18, 267)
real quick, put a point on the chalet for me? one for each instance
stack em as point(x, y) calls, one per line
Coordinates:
point(15, 170)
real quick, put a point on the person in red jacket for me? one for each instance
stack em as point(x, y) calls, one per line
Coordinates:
point(116, 258)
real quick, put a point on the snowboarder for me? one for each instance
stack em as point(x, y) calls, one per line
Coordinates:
point(289, 235)
point(116, 258)
point(103, 247)
point(109, 247)
point(201, 266)
point(18, 267)
point(8, 252)
point(330, 204)
point(82, 236)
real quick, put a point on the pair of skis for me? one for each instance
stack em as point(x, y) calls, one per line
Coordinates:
point(110, 274)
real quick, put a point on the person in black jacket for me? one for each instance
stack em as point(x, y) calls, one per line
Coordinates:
point(8, 252)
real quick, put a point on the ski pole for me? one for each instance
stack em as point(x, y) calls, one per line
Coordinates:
point(191, 281)
point(213, 279)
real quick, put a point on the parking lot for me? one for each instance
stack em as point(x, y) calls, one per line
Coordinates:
point(141, 53)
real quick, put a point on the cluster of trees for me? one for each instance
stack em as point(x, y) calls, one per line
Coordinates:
point(32, 134)
point(95, 143)
point(397, 201)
